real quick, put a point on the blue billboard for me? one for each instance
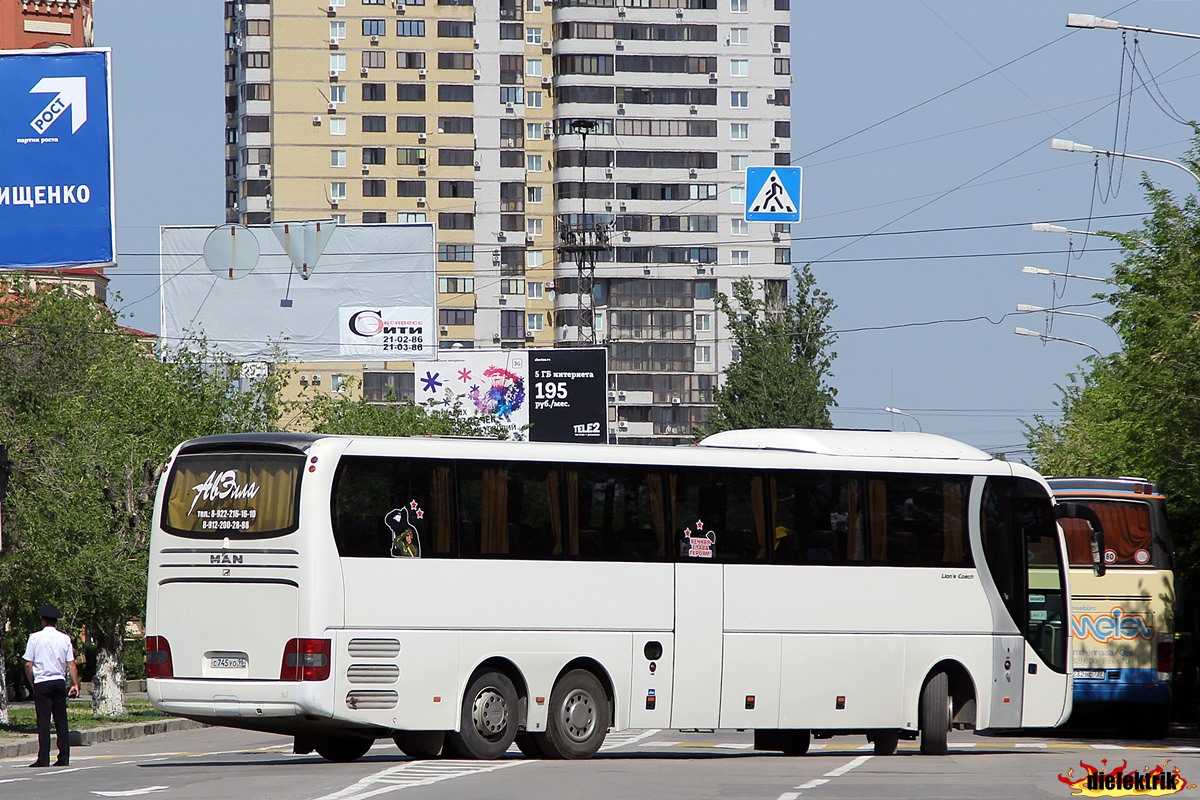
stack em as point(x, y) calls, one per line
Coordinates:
point(56, 165)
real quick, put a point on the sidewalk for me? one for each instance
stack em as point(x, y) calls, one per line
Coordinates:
point(27, 745)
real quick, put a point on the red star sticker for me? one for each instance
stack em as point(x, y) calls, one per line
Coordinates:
point(699, 525)
point(413, 505)
point(687, 531)
point(420, 513)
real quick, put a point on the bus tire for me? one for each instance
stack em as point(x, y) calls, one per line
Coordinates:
point(421, 745)
point(885, 742)
point(794, 742)
point(935, 715)
point(579, 716)
point(342, 749)
point(488, 721)
point(532, 745)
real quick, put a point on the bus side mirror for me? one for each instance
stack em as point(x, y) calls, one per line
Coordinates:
point(1098, 565)
point(1096, 540)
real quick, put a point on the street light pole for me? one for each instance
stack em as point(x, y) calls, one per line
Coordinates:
point(893, 410)
point(1025, 308)
point(1044, 271)
point(1067, 146)
point(1047, 338)
point(1092, 21)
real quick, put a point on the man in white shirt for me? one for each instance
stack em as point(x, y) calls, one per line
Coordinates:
point(49, 658)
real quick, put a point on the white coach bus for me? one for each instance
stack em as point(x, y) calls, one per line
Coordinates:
point(460, 595)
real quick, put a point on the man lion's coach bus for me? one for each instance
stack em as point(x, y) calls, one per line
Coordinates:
point(462, 595)
point(1123, 624)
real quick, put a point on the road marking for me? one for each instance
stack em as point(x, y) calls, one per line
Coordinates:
point(840, 771)
point(1031, 745)
point(833, 773)
point(417, 773)
point(1108, 747)
point(14, 780)
point(734, 746)
point(132, 792)
point(627, 738)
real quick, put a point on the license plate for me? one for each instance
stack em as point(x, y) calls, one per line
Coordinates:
point(1091, 674)
point(228, 663)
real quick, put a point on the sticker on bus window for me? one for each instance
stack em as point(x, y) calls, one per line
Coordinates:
point(698, 543)
point(406, 540)
point(1142, 556)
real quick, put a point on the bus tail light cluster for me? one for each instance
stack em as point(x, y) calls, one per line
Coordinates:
point(306, 660)
point(158, 658)
point(1165, 656)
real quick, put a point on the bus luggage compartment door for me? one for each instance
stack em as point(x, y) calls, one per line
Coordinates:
point(651, 684)
point(699, 626)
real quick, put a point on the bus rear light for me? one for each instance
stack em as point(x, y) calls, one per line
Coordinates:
point(1166, 656)
point(158, 658)
point(306, 660)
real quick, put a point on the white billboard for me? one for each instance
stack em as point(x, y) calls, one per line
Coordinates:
point(370, 295)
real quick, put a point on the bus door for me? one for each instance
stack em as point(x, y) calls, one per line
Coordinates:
point(1021, 543)
point(699, 625)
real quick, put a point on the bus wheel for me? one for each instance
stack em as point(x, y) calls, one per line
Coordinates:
point(885, 742)
point(421, 744)
point(343, 749)
point(794, 742)
point(579, 716)
point(935, 715)
point(489, 717)
point(533, 745)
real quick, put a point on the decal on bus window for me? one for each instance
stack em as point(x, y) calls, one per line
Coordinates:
point(406, 539)
point(698, 543)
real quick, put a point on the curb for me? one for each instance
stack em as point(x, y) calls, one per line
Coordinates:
point(117, 733)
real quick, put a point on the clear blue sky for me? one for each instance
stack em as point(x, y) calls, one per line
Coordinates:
point(907, 116)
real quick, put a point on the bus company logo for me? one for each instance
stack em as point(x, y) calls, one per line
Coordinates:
point(370, 322)
point(1103, 782)
point(1115, 625)
point(223, 486)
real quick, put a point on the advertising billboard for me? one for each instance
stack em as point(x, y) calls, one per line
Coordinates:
point(56, 196)
point(542, 395)
point(370, 294)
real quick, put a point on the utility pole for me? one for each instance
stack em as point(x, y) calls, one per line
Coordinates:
point(580, 240)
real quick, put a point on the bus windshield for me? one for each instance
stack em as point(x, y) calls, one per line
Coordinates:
point(232, 495)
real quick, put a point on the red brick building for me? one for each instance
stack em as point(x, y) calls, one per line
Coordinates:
point(34, 24)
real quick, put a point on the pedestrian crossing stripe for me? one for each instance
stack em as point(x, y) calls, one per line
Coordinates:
point(773, 194)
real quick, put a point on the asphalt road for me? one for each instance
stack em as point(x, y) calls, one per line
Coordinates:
point(213, 763)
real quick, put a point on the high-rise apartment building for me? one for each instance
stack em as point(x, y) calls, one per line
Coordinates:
point(473, 116)
point(34, 24)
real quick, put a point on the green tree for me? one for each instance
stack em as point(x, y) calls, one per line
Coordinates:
point(89, 412)
point(343, 413)
point(1137, 412)
point(781, 376)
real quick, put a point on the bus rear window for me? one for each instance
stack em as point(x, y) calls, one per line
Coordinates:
point(235, 495)
point(1126, 533)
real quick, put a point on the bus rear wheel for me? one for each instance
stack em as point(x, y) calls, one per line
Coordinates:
point(935, 715)
point(885, 742)
point(343, 749)
point(421, 744)
point(533, 745)
point(790, 742)
point(488, 722)
point(579, 716)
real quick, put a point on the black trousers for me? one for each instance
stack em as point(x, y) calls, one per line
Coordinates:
point(50, 700)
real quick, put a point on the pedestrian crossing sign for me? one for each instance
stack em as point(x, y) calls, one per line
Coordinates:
point(773, 194)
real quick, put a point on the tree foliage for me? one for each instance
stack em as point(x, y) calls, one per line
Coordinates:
point(781, 375)
point(1137, 412)
point(89, 412)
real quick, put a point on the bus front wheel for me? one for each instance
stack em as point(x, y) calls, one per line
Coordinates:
point(579, 715)
point(488, 721)
point(935, 715)
point(343, 749)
